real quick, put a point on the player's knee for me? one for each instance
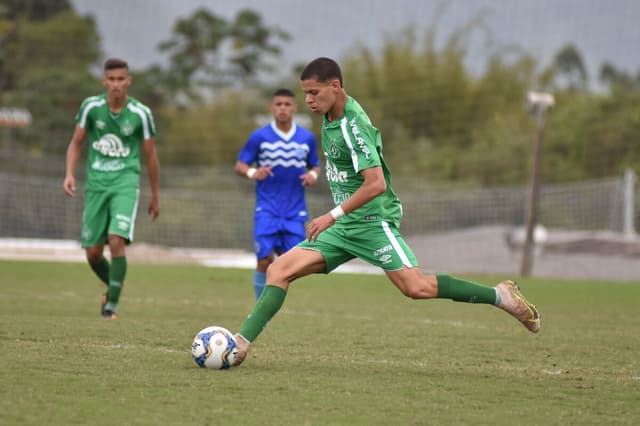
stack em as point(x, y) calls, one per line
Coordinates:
point(94, 256)
point(418, 291)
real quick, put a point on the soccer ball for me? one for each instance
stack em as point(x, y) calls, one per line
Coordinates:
point(214, 347)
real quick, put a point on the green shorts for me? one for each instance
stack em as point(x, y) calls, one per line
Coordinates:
point(108, 212)
point(380, 244)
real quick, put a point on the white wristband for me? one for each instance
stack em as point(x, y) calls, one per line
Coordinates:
point(337, 212)
point(251, 172)
point(314, 174)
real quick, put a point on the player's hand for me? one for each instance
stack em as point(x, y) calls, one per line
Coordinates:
point(263, 172)
point(308, 178)
point(69, 186)
point(319, 224)
point(154, 208)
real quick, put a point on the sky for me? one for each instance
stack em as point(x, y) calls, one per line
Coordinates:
point(601, 30)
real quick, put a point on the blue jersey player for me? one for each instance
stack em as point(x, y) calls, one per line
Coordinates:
point(282, 158)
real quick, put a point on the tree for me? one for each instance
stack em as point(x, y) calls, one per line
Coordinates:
point(38, 73)
point(208, 52)
point(567, 70)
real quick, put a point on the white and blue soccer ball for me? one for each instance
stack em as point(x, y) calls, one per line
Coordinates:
point(214, 347)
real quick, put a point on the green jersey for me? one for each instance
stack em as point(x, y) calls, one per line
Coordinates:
point(352, 144)
point(114, 141)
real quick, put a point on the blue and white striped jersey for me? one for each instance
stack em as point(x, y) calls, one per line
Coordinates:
point(289, 155)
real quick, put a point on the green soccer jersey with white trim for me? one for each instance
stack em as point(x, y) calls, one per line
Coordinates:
point(115, 141)
point(352, 144)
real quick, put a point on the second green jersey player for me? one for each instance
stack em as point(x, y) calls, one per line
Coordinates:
point(365, 222)
point(118, 127)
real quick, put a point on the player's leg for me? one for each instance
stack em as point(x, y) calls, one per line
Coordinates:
point(265, 239)
point(260, 274)
point(295, 263)
point(123, 209)
point(117, 274)
point(95, 220)
point(308, 257)
point(98, 263)
point(384, 246)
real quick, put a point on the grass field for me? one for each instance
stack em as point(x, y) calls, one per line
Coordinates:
point(344, 350)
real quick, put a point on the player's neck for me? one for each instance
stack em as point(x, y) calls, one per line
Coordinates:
point(337, 109)
point(284, 127)
point(117, 103)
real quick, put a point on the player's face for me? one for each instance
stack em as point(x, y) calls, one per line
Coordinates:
point(116, 81)
point(320, 95)
point(283, 108)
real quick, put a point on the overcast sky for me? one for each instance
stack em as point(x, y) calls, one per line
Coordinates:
point(601, 30)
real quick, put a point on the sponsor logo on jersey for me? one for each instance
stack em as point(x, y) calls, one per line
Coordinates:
point(110, 145)
point(100, 124)
point(341, 197)
point(359, 140)
point(334, 175)
point(107, 165)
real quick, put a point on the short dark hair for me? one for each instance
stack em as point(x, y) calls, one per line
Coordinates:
point(283, 92)
point(322, 69)
point(115, 63)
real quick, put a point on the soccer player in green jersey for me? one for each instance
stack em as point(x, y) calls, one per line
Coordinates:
point(365, 222)
point(118, 127)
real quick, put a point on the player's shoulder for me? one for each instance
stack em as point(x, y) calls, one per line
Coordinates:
point(355, 115)
point(136, 103)
point(94, 101)
point(304, 131)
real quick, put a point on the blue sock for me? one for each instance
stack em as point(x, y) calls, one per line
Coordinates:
point(259, 279)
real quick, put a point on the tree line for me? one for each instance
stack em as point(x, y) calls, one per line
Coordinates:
point(440, 120)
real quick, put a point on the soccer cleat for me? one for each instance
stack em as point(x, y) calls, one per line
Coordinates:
point(110, 315)
point(103, 303)
point(243, 349)
point(513, 302)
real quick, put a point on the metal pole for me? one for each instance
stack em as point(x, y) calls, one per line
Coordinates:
point(538, 103)
point(628, 225)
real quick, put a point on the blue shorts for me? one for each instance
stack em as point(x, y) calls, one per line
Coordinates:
point(275, 235)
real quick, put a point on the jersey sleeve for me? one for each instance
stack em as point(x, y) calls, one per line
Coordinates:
point(362, 138)
point(83, 115)
point(250, 151)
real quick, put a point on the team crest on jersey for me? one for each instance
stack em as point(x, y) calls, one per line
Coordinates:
point(127, 129)
point(301, 153)
point(334, 151)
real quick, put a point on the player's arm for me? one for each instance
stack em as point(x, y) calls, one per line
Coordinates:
point(310, 177)
point(373, 185)
point(153, 167)
point(245, 170)
point(73, 154)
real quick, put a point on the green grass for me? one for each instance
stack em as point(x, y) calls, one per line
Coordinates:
point(344, 350)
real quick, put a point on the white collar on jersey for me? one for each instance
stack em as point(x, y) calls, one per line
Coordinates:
point(285, 136)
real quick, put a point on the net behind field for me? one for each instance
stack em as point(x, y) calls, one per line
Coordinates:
point(455, 230)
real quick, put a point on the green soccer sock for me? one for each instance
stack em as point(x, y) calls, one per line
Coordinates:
point(266, 307)
point(101, 269)
point(116, 279)
point(464, 291)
